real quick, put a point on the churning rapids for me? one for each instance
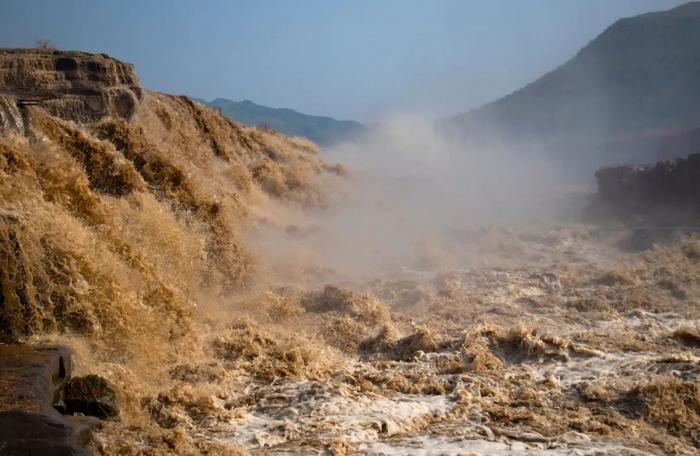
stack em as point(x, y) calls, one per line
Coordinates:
point(570, 347)
point(134, 227)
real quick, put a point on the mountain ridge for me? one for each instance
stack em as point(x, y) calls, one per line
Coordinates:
point(638, 75)
point(322, 130)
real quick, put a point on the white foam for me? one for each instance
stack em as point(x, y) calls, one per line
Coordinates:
point(441, 446)
point(297, 409)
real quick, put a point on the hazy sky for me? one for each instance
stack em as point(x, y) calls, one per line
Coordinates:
point(347, 59)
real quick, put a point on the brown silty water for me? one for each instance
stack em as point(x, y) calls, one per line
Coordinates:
point(599, 356)
point(138, 236)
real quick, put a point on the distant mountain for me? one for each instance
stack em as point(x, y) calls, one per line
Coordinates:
point(640, 75)
point(324, 131)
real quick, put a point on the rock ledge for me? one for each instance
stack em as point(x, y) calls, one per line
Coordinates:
point(75, 85)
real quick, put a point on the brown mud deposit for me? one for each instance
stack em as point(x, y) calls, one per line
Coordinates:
point(125, 236)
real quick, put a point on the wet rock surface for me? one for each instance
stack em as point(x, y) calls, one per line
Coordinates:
point(31, 433)
point(31, 382)
point(90, 395)
point(32, 377)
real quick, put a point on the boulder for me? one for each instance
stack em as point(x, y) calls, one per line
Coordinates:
point(90, 395)
point(31, 381)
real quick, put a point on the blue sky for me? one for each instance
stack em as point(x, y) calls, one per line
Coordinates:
point(347, 59)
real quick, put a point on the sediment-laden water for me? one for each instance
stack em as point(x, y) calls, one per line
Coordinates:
point(174, 251)
point(598, 354)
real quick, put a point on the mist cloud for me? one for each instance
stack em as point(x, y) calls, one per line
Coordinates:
point(410, 192)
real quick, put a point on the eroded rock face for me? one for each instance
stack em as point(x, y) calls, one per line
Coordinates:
point(74, 85)
point(31, 378)
point(667, 190)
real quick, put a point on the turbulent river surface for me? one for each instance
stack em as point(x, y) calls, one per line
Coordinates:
point(243, 295)
point(561, 342)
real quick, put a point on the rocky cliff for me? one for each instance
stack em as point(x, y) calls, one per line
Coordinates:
point(75, 85)
point(662, 193)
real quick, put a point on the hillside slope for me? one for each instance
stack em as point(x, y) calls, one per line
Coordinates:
point(324, 131)
point(640, 74)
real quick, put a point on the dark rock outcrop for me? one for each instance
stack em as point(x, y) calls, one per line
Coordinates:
point(90, 395)
point(77, 85)
point(36, 434)
point(666, 192)
point(31, 381)
point(31, 378)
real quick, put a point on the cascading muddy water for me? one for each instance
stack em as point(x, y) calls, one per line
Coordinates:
point(243, 295)
point(10, 115)
point(115, 232)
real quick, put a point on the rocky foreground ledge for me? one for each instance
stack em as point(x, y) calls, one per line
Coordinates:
point(35, 388)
